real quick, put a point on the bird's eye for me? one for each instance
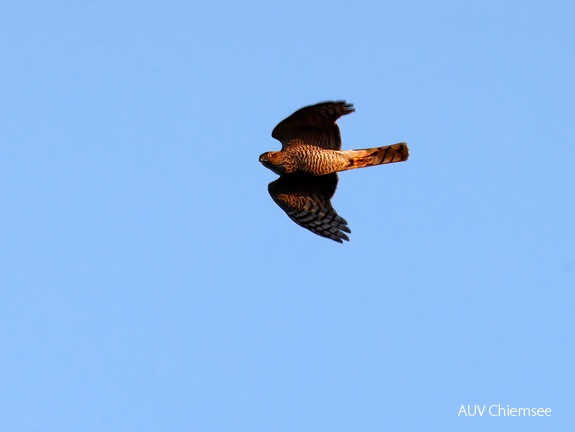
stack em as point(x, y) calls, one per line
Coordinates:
point(270, 155)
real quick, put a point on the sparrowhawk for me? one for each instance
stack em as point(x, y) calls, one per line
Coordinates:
point(310, 157)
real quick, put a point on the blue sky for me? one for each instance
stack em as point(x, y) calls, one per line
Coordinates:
point(149, 283)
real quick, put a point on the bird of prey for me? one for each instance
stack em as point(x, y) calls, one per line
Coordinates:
point(307, 164)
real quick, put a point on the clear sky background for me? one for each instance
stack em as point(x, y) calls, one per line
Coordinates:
point(149, 283)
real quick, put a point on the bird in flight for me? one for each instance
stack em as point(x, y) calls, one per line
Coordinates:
point(307, 164)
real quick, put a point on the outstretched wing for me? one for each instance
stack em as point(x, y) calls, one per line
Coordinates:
point(306, 200)
point(313, 125)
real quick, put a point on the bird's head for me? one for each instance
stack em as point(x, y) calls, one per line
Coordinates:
point(274, 161)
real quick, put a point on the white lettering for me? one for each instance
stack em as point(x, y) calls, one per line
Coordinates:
point(496, 410)
point(467, 412)
point(525, 412)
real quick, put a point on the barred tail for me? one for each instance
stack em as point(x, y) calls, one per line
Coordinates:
point(376, 156)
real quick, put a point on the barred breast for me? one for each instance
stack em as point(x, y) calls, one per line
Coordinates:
point(318, 161)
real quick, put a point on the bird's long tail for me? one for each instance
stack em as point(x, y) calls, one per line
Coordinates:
point(376, 156)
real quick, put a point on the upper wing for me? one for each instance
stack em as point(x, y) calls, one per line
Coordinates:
point(313, 125)
point(306, 200)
